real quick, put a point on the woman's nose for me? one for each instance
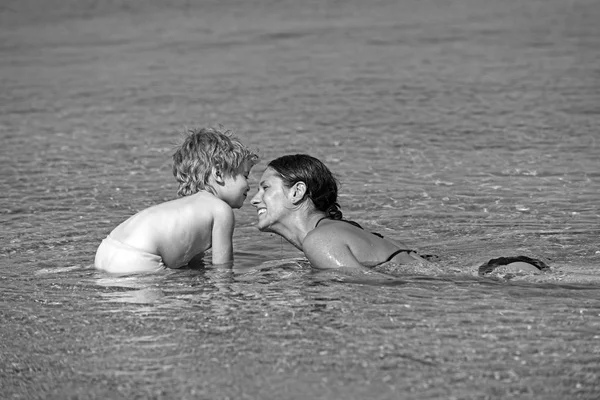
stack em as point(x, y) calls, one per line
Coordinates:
point(255, 200)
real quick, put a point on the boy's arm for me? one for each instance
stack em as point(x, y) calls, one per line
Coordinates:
point(222, 235)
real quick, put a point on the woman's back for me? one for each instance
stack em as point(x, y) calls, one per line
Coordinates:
point(338, 243)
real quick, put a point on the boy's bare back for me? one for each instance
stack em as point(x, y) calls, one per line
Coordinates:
point(177, 230)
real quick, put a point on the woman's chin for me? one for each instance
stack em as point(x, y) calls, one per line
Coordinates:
point(262, 226)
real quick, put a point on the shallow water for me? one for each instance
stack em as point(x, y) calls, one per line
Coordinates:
point(467, 129)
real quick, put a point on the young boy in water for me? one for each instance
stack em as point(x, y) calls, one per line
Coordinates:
point(212, 169)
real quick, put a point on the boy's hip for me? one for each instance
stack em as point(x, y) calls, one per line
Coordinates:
point(115, 256)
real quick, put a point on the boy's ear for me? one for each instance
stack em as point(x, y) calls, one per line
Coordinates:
point(298, 191)
point(218, 176)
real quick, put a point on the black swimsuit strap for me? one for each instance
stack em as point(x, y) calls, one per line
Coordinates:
point(319, 221)
point(394, 254)
point(344, 220)
point(349, 222)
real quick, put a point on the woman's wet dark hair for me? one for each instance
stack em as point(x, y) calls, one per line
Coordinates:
point(321, 185)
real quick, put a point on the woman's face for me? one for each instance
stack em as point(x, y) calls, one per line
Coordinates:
point(271, 200)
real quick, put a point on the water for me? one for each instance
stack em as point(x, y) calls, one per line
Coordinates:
point(467, 129)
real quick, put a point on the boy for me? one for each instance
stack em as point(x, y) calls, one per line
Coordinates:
point(212, 169)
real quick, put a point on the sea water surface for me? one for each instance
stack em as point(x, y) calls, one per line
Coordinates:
point(467, 129)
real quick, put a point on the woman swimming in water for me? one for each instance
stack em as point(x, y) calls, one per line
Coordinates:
point(297, 199)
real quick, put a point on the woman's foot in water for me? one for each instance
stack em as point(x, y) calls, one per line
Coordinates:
point(513, 265)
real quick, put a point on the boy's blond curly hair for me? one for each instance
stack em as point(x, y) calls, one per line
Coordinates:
point(202, 151)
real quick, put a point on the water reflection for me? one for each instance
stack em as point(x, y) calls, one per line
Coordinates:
point(216, 286)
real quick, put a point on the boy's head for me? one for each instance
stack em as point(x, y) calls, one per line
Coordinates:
point(205, 150)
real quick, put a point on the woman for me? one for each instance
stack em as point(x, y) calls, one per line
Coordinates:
point(297, 199)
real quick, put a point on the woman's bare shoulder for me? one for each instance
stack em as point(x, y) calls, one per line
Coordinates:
point(330, 246)
point(334, 233)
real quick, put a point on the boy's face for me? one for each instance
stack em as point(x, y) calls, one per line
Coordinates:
point(236, 187)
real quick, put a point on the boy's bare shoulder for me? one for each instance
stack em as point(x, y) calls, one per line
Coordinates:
point(209, 204)
point(221, 210)
point(190, 208)
point(199, 199)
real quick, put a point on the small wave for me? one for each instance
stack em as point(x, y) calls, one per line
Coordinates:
point(59, 270)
